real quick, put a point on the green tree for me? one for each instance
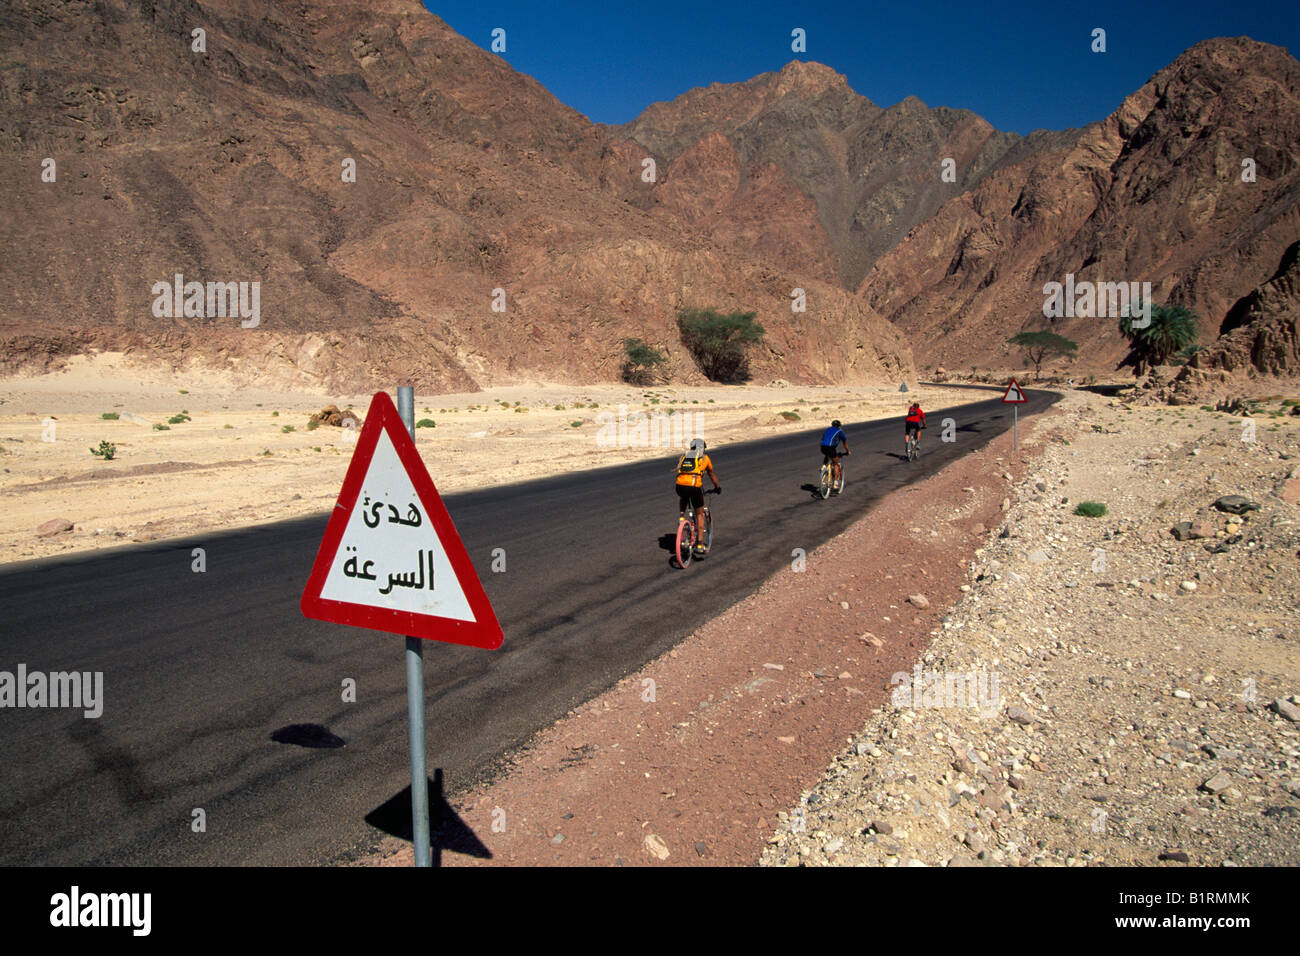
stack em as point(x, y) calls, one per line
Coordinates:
point(718, 341)
point(1172, 329)
point(640, 361)
point(1040, 346)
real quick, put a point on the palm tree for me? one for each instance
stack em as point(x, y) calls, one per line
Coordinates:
point(1172, 328)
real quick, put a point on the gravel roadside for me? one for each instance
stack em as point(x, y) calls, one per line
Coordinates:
point(1117, 690)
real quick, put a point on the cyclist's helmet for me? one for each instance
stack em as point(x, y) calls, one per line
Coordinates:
point(698, 444)
point(835, 424)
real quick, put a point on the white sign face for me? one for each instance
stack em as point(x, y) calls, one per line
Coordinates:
point(390, 555)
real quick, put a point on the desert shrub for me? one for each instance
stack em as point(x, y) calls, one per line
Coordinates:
point(110, 416)
point(718, 341)
point(426, 423)
point(1090, 509)
point(641, 361)
point(106, 450)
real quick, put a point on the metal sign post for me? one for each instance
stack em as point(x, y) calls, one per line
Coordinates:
point(415, 695)
point(1015, 397)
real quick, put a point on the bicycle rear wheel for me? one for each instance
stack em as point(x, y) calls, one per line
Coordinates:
point(824, 483)
point(685, 539)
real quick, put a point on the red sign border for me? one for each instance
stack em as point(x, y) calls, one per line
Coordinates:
point(1014, 401)
point(484, 632)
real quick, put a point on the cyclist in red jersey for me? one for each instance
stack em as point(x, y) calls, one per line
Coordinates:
point(915, 422)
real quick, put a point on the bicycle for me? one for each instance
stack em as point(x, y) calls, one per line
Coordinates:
point(826, 483)
point(689, 536)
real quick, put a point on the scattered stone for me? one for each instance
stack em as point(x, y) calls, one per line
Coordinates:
point(1218, 783)
point(993, 797)
point(331, 415)
point(1286, 709)
point(1191, 530)
point(1291, 487)
point(882, 827)
point(918, 600)
point(656, 847)
point(1176, 856)
point(1019, 715)
point(49, 529)
point(1236, 504)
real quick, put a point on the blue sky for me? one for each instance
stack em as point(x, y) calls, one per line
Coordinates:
point(1022, 66)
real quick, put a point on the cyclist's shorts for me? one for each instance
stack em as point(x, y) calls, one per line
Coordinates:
point(694, 496)
point(829, 452)
point(913, 427)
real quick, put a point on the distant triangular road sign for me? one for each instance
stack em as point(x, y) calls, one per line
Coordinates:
point(1015, 395)
point(394, 562)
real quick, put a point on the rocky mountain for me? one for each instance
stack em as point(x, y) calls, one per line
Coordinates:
point(798, 167)
point(410, 207)
point(1192, 184)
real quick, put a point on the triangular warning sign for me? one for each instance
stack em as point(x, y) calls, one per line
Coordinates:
point(391, 558)
point(1014, 395)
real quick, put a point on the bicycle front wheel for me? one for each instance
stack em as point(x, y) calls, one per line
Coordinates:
point(824, 483)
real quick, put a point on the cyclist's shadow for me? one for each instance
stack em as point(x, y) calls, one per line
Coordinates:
point(813, 491)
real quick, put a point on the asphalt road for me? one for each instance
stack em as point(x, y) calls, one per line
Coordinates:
point(200, 669)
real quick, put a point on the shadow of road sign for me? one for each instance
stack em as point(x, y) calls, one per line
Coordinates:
point(447, 831)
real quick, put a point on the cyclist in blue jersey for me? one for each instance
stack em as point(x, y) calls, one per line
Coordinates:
point(831, 439)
